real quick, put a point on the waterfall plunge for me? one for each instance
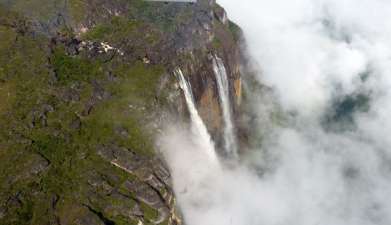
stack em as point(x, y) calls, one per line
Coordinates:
point(230, 144)
point(197, 125)
point(192, 159)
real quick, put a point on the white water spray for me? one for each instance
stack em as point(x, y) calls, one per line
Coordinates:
point(197, 125)
point(230, 144)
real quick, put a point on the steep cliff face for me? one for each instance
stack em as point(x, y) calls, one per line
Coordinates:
point(82, 85)
point(210, 33)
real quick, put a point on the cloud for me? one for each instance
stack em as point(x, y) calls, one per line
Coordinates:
point(314, 54)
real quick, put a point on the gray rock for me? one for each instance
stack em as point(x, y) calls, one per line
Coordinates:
point(38, 165)
point(121, 157)
point(136, 211)
point(98, 182)
point(144, 193)
point(70, 95)
point(3, 211)
point(76, 124)
point(89, 218)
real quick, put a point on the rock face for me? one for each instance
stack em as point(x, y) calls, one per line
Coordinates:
point(210, 33)
point(82, 85)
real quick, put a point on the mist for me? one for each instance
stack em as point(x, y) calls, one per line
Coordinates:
point(328, 65)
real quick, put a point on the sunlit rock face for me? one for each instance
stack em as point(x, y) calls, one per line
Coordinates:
point(210, 110)
point(238, 91)
point(197, 65)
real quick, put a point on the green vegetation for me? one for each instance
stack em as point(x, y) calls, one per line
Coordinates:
point(149, 213)
point(77, 9)
point(76, 68)
point(44, 13)
point(46, 10)
point(54, 117)
point(216, 43)
point(235, 30)
point(118, 29)
point(63, 99)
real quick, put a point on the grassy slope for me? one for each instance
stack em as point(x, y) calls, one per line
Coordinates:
point(39, 126)
point(58, 107)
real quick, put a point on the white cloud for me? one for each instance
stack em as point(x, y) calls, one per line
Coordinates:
point(312, 52)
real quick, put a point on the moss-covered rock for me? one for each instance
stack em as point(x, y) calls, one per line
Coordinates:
point(82, 84)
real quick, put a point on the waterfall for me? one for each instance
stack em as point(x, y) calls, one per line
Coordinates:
point(197, 125)
point(230, 144)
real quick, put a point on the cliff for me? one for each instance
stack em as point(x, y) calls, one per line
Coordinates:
point(82, 88)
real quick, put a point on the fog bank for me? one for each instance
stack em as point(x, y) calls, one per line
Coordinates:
point(328, 63)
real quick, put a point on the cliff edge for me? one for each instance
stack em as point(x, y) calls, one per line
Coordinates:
point(83, 85)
